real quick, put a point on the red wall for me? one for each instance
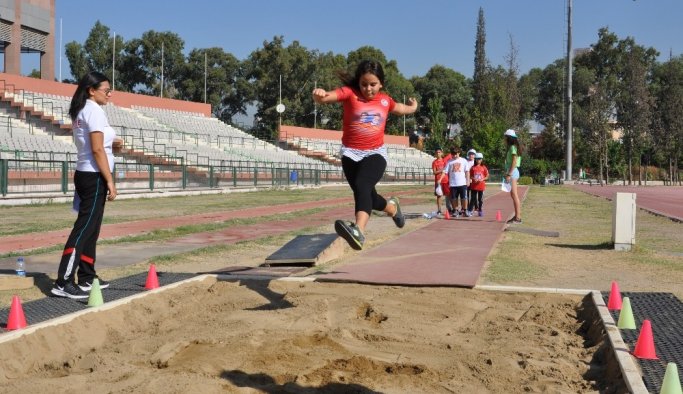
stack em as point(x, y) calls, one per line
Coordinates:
point(121, 99)
point(293, 131)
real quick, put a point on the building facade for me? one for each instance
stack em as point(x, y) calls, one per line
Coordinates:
point(28, 26)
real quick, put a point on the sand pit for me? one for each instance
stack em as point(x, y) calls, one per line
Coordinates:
point(219, 336)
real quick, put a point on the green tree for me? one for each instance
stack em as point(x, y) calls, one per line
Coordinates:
point(634, 102)
point(668, 128)
point(479, 85)
point(296, 66)
point(226, 89)
point(549, 109)
point(146, 54)
point(529, 93)
point(596, 86)
point(451, 87)
point(437, 124)
point(510, 102)
point(95, 54)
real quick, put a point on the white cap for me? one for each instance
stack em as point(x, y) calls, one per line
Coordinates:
point(511, 133)
point(471, 151)
point(479, 155)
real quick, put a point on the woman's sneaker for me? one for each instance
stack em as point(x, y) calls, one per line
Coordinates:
point(398, 217)
point(69, 290)
point(351, 233)
point(514, 220)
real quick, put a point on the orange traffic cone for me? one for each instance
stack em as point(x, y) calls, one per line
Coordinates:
point(16, 319)
point(645, 347)
point(499, 216)
point(614, 300)
point(447, 215)
point(152, 279)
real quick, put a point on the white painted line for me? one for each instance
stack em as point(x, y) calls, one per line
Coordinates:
point(552, 290)
point(12, 335)
point(264, 277)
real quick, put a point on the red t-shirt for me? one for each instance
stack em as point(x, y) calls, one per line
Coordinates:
point(364, 121)
point(477, 175)
point(438, 165)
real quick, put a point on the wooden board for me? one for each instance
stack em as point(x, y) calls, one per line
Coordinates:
point(308, 249)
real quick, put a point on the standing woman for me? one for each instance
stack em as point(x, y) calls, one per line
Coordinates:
point(93, 182)
point(513, 159)
point(364, 155)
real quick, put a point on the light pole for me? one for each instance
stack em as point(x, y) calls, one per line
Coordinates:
point(161, 91)
point(205, 71)
point(113, 63)
point(568, 175)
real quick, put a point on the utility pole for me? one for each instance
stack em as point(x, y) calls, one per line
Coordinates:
point(568, 175)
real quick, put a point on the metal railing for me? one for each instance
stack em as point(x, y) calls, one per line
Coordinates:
point(21, 176)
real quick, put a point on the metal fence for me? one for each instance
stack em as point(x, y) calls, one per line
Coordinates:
point(21, 176)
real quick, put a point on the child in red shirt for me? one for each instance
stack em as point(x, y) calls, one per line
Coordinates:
point(364, 156)
point(478, 174)
point(438, 166)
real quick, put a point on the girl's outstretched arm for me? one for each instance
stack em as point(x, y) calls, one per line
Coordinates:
point(405, 109)
point(321, 96)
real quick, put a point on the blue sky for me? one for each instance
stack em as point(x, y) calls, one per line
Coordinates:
point(417, 34)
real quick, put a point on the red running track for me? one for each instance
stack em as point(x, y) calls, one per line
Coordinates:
point(661, 200)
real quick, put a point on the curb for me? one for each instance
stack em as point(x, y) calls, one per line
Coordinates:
point(629, 370)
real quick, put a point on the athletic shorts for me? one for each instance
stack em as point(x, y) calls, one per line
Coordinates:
point(459, 192)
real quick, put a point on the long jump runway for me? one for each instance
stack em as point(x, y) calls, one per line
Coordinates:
point(443, 253)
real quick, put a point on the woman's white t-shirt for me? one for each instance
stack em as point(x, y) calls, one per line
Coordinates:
point(92, 118)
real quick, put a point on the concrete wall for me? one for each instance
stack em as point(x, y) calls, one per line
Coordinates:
point(122, 99)
point(334, 135)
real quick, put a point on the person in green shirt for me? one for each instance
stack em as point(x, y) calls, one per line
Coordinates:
point(513, 159)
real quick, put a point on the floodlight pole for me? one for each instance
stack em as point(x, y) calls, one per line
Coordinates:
point(315, 108)
point(161, 92)
point(61, 49)
point(568, 175)
point(205, 71)
point(113, 64)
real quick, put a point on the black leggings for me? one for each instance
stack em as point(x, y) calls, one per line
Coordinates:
point(362, 176)
point(79, 253)
point(476, 200)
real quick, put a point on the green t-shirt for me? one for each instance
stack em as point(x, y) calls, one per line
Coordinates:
point(508, 158)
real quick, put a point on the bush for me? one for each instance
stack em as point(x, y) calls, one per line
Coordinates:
point(525, 180)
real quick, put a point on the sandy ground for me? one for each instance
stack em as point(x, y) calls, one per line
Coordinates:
point(270, 337)
point(257, 336)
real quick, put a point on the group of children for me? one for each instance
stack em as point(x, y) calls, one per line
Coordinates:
point(463, 180)
point(460, 180)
